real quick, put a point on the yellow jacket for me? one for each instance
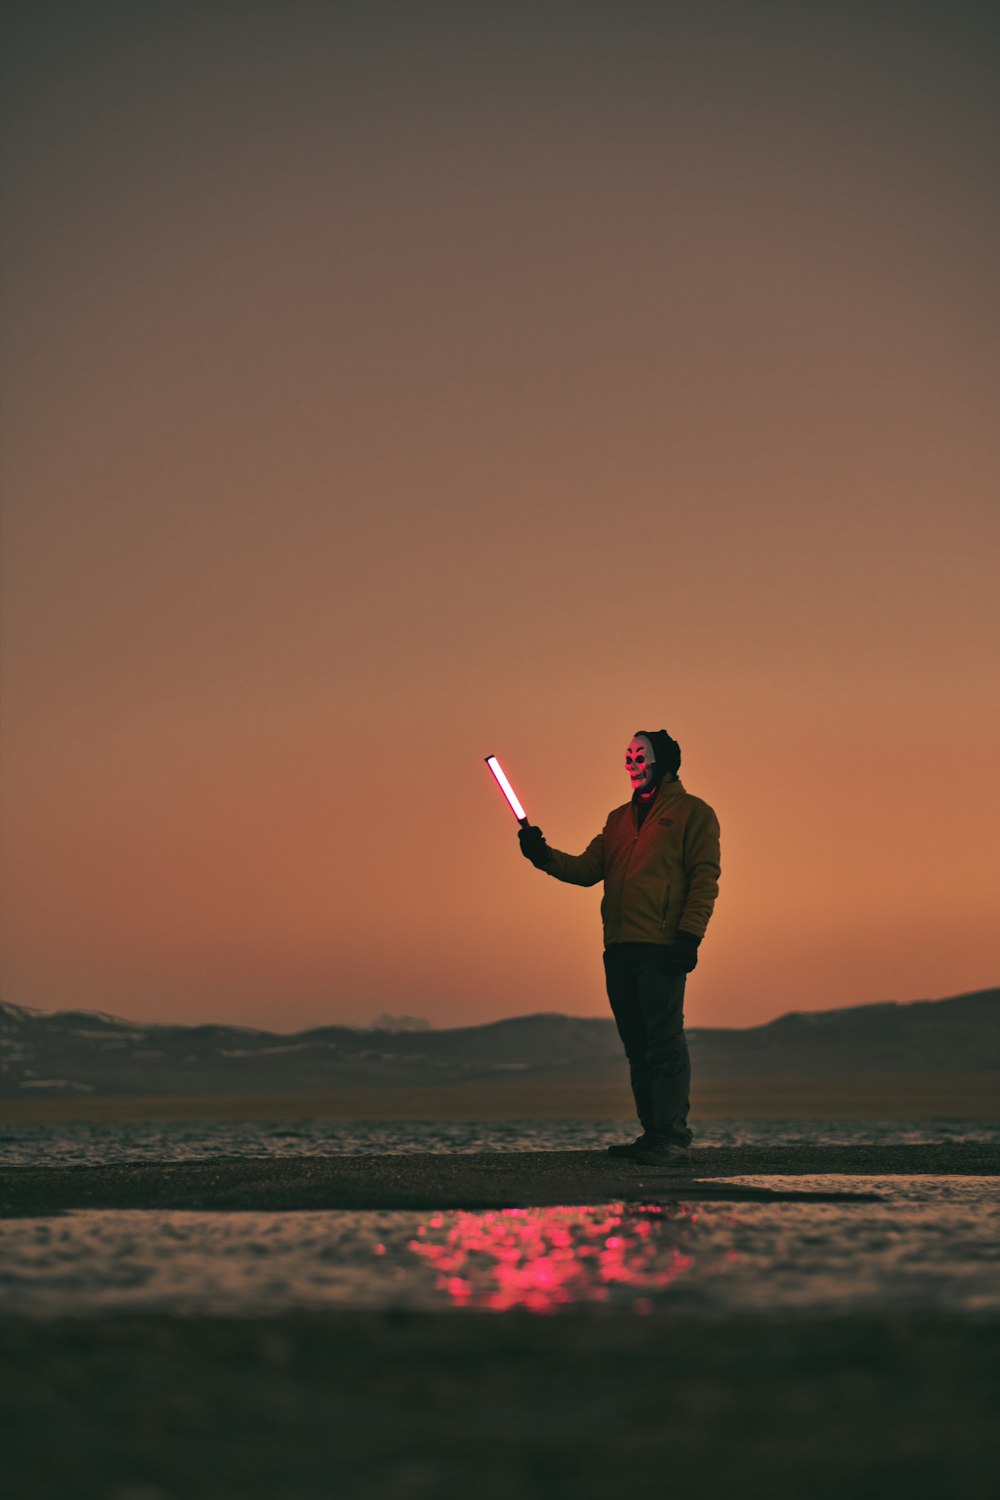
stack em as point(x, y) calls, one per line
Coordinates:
point(658, 879)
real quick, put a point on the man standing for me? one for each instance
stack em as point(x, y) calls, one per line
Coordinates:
point(659, 859)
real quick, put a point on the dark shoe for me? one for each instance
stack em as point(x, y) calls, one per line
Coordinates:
point(629, 1150)
point(663, 1154)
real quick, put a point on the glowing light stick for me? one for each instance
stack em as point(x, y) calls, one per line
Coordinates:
point(508, 790)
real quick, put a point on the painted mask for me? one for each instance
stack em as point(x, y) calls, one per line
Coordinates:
point(639, 760)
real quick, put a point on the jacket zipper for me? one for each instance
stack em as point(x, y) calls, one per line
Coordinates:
point(635, 839)
point(636, 830)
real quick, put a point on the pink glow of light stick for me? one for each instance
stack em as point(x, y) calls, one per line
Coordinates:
point(508, 790)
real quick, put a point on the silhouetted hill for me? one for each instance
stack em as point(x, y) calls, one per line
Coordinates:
point(68, 1053)
point(959, 1035)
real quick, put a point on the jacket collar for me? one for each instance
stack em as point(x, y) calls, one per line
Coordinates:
point(666, 790)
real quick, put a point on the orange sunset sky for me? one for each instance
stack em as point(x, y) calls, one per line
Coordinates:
point(385, 385)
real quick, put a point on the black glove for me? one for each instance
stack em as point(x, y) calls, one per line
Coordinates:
point(533, 845)
point(683, 951)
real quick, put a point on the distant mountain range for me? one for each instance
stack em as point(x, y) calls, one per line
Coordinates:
point(73, 1053)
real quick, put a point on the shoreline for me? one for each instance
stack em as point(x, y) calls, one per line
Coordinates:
point(601, 1095)
point(473, 1180)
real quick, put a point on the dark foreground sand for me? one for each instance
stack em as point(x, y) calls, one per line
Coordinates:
point(498, 1406)
point(589, 1404)
point(488, 1179)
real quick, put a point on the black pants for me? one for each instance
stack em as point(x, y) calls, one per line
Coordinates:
point(647, 997)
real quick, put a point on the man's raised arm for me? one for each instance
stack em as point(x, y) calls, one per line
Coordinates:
point(576, 869)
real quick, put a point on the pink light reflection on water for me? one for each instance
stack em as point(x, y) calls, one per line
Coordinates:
point(545, 1258)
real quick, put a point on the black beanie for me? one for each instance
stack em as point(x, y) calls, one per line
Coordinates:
point(666, 751)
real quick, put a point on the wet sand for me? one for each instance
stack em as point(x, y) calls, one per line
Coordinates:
point(398, 1405)
point(492, 1179)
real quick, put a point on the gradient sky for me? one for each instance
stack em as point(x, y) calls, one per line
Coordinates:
point(389, 385)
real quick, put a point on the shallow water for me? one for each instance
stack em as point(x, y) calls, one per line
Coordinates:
point(927, 1244)
point(97, 1144)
